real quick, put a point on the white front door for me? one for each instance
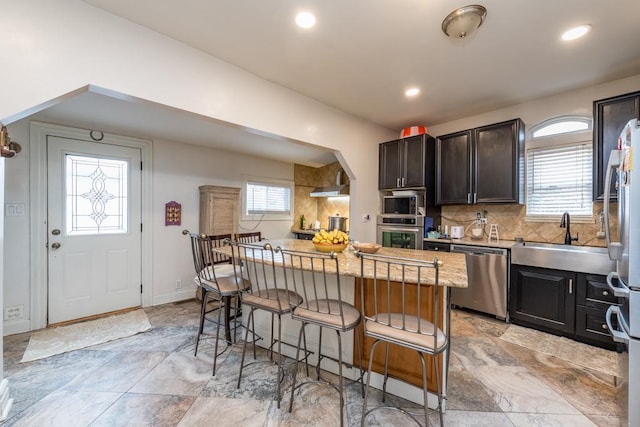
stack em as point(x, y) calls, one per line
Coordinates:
point(93, 228)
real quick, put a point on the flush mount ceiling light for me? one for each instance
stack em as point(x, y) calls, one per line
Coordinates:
point(305, 19)
point(464, 21)
point(412, 92)
point(576, 32)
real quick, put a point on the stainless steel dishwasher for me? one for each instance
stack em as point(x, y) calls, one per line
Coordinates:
point(487, 275)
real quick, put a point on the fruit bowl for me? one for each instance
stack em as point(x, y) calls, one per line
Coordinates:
point(367, 248)
point(336, 247)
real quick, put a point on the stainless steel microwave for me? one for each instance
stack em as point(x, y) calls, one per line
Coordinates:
point(403, 205)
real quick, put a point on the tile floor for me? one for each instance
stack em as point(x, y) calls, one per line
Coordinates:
point(152, 379)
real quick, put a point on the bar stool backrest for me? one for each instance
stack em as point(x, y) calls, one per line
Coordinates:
point(261, 265)
point(316, 277)
point(401, 290)
point(251, 237)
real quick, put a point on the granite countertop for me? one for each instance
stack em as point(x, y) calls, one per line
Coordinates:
point(310, 231)
point(453, 269)
point(504, 244)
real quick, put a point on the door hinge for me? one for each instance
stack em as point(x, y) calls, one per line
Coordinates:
point(140, 287)
point(140, 165)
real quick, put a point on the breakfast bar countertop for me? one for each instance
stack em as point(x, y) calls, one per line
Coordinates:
point(453, 269)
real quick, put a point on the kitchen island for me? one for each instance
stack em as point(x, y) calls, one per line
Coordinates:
point(404, 364)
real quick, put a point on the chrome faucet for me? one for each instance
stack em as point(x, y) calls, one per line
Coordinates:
point(565, 222)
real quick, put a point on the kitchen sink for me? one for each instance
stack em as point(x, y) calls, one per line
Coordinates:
point(583, 259)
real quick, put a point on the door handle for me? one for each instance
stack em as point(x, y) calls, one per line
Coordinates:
point(403, 181)
point(55, 232)
point(398, 182)
point(570, 286)
point(55, 245)
point(615, 248)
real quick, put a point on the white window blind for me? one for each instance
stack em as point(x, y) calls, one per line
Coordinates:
point(559, 179)
point(265, 199)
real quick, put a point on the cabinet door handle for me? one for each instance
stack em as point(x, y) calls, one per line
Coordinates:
point(469, 198)
point(570, 286)
point(475, 198)
point(402, 181)
point(398, 182)
point(604, 326)
point(605, 293)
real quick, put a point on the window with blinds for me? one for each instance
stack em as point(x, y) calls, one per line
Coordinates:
point(559, 166)
point(266, 198)
point(559, 180)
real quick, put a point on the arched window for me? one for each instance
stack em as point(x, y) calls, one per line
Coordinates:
point(559, 168)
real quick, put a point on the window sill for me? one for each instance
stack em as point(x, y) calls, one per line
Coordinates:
point(577, 219)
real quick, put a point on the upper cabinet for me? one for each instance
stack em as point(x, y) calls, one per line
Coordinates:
point(481, 165)
point(406, 163)
point(609, 118)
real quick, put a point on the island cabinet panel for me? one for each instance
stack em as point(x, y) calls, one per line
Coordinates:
point(404, 364)
point(543, 298)
point(610, 115)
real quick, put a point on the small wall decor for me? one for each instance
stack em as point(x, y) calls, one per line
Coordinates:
point(172, 213)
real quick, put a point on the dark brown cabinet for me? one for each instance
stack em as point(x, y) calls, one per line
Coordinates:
point(562, 302)
point(610, 115)
point(543, 298)
point(481, 165)
point(593, 298)
point(405, 163)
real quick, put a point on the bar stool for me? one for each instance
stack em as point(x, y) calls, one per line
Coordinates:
point(218, 283)
point(396, 315)
point(258, 266)
point(307, 273)
point(250, 237)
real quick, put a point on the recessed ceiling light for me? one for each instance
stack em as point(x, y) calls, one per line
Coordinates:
point(576, 32)
point(305, 19)
point(412, 92)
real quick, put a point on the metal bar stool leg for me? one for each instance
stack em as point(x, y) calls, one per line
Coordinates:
point(250, 326)
point(295, 370)
point(203, 311)
point(366, 390)
point(215, 352)
point(386, 371)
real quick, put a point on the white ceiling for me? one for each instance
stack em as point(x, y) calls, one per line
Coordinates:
point(363, 54)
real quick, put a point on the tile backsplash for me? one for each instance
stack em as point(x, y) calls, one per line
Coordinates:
point(511, 223)
point(317, 208)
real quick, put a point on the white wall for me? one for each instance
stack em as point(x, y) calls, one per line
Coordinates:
point(577, 102)
point(58, 47)
point(177, 175)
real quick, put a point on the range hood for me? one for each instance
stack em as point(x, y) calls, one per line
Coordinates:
point(334, 190)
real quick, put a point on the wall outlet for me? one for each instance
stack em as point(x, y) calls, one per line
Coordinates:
point(178, 284)
point(366, 217)
point(15, 312)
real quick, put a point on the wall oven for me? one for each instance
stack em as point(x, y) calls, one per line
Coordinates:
point(399, 231)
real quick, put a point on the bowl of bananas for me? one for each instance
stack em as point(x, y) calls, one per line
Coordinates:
point(330, 241)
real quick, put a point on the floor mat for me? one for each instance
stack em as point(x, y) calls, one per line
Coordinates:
point(584, 355)
point(49, 342)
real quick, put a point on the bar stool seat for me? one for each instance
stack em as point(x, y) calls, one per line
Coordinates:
point(407, 325)
point(258, 267)
point(308, 274)
point(394, 331)
point(218, 283)
point(327, 311)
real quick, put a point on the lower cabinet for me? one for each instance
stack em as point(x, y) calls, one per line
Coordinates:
point(562, 302)
point(543, 297)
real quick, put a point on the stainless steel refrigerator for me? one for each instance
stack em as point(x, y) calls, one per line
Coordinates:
point(624, 247)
